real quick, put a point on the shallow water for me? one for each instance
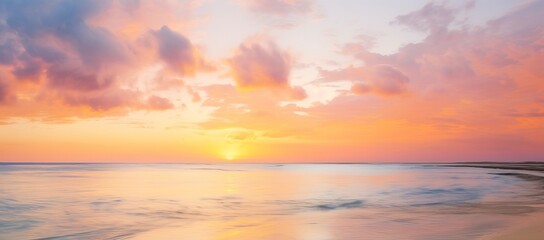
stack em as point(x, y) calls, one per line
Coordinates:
point(260, 201)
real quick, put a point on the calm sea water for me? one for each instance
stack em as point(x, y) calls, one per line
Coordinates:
point(259, 201)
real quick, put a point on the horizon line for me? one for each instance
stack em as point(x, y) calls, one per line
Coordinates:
point(234, 162)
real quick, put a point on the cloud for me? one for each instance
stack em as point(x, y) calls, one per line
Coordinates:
point(283, 14)
point(298, 93)
point(102, 101)
point(279, 7)
point(4, 93)
point(87, 55)
point(159, 103)
point(470, 75)
point(466, 62)
point(261, 64)
point(65, 21)
point(53, 41)
point(380, 79)
point(178, 52)
point(431, 17)
point(254, 111)
point(195, 96)
point(242, 135)
point(29, 69)
point(76, 79)
point(526, 115)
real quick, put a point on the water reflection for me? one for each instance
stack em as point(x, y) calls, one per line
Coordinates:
point(259, 201)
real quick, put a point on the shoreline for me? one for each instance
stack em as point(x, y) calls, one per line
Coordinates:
point(531, 227)
point(537, 167)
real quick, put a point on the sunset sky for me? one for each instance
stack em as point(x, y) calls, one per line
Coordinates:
point(271, 81)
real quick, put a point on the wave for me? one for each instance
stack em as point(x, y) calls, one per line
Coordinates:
point(333, 206)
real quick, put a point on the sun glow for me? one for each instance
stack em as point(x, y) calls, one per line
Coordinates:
point(231, 153)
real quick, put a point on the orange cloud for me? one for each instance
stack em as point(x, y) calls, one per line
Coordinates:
point(258, 111)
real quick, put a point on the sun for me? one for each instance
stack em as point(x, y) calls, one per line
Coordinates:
point(230, 154)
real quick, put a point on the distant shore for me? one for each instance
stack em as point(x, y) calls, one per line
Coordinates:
point(530, 166)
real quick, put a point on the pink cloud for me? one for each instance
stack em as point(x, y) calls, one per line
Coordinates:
point(282, 7)
point(195, 96)
point(179, 53)
point(431, 17)
point(283, 14)
point(380, 79)
point(77, 79)
point(465, 83)
point(176, 50)
point(101, 101)
point(5, 96)
point(159, 103)
point(78, 56)
point(260, 65)
point(298, 93)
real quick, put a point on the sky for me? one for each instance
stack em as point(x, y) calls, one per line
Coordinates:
point(271, 81)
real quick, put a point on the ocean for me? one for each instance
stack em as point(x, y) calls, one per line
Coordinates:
point(262, 201)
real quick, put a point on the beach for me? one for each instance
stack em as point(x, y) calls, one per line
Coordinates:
point(531, 228)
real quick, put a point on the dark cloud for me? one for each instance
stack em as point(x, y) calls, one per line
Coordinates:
point(4, 91)
point(28, 68)
point(70, 58)
point(102, 101)
point(43, 52)
point(33, 21)
point(8, 50)
point(176, 50)
point(65, 78)
point(53, 37)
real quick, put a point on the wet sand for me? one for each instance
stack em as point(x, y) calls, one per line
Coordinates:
point(533, 227)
